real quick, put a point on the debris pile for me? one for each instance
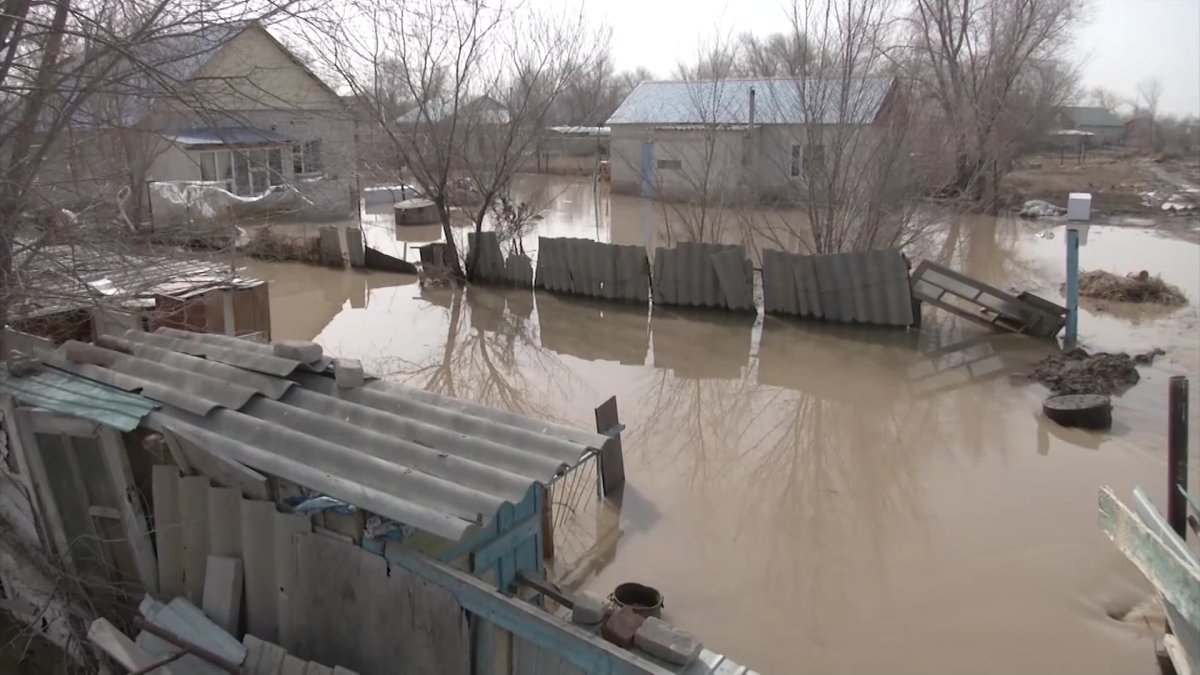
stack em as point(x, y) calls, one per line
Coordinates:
point(1077, 372)
point(1134, 287)
point(1036, 208)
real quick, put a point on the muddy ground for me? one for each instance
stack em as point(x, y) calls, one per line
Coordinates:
point(1126, 188)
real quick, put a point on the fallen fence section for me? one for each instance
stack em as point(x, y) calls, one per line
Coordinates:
point(869, 287)
point(704, 275)
point(987, 305)
point(593, 269)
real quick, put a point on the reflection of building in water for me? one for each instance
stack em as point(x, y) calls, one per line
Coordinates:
point(699, 344)
point(304, 299)
point(594, 330)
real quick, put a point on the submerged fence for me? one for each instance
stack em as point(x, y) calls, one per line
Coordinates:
point(870, 287)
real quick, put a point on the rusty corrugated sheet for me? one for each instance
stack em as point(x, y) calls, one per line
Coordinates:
point(688, 275)
point(869, 287)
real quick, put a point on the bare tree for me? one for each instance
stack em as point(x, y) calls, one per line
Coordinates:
point(479, 79)
point(1106, 98)
point(1148, 94)
point(71, 76)
point(974, 58)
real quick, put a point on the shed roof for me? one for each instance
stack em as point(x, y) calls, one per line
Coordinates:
point(777, 101)
point(1091, 116)
point(66, 392)
point(437, 463)
point(57, 278)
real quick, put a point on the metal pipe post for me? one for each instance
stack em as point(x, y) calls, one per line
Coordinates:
point(1072, 336)
point(1177, 459)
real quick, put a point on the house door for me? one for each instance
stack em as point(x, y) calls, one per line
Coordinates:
point(647, 168)
point(86, 491)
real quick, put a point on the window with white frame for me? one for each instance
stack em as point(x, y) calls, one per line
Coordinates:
point(306, 158)
point(245, 172)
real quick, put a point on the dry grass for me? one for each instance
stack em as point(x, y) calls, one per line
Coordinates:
point(1142, 288)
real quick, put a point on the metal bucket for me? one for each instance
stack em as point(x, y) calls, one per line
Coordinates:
point(642, 599)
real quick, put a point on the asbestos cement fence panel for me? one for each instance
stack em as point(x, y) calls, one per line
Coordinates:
point(359, 614)
point(593, 269)
point(870, 287)
point(704, 275)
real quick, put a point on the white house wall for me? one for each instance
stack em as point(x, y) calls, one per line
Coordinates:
point(708, 167)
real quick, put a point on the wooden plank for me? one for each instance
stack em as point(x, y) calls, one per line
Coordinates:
point(362, 618)
point(223, 471)
point(522, 619)
point(168, 529)
point(133, 517)
point(1174, 577)
point(205, 632)
point(286, 526)
point(1179, 659)
point(119, 646)
point(193, 511)
point(177, 453)
point(254, 651)
point(271, 660)
point(314, 668)
point(293, 666)
point(258, 557)
point(225, 522)
point(223, 592)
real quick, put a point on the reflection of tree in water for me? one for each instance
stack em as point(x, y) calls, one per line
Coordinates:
point(492, 355)
point(830, 459)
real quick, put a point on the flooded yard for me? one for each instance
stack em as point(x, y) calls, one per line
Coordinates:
point(812, 497)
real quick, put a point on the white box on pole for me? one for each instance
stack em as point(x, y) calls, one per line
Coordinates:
point(1079, 206)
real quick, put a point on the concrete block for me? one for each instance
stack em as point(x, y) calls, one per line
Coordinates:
point(298, 350)
point(621, 627)
point(354, 247)
point(590, 608)
point(332, 253)
point(348, 373)
point(223, 591)
point(659, 638)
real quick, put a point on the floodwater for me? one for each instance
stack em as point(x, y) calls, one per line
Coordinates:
point(809, 497)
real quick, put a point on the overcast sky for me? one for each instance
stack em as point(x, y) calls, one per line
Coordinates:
point(1123, 43)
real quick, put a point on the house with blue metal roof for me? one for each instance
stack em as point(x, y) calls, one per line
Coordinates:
point(376, 527)
point(741, 137)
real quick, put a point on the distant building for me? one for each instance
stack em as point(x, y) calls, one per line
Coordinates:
point(681, 138)
point(1104, 126)
point(227, 105)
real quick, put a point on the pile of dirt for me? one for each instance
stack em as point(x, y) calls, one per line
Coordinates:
point(1077, 372)
point(1138, 287)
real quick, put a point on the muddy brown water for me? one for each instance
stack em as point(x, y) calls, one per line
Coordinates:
point(818, 498)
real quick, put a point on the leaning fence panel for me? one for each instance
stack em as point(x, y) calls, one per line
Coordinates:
point(870, 287)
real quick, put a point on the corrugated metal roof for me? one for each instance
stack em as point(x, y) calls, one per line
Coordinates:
point(65, 392)
point(436, 463)
point(777, 101)
point(226, 136)
point(1084, 116)
point(863, 287)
